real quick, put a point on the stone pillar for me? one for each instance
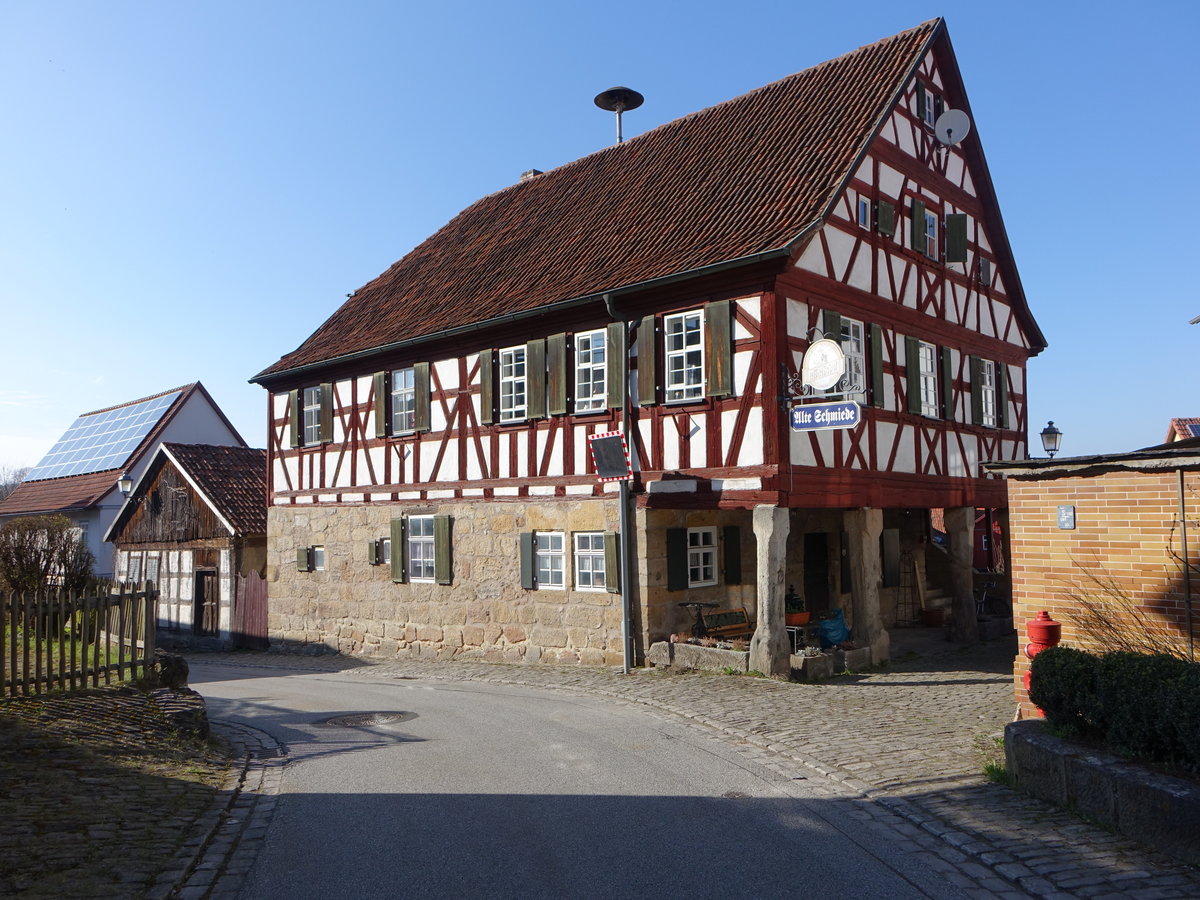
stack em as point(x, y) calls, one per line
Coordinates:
point(770, 652)
point(863, 527)
point(960, 529)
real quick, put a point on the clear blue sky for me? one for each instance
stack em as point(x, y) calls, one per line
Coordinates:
point(187, 190)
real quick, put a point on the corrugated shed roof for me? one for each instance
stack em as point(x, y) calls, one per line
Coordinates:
point(739, 179)
point(234, 479)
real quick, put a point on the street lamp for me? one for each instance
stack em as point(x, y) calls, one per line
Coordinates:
point(125, 484)
point(1051, 439)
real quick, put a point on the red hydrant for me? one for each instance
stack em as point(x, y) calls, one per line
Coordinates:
point(1043, 632)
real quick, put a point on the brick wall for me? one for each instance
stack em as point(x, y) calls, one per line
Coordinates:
point(1126, 524)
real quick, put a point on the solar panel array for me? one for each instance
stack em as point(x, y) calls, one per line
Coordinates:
point(102, 440)
point(1194, 429)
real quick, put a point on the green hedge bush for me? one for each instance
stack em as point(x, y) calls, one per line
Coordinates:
point(1139, 705)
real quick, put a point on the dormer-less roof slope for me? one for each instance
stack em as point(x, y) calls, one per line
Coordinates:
point(749, 177)
point(1182, 429)
point(233, 479)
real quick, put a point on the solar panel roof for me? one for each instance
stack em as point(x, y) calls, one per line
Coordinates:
point(102, 440)
point(1194, 429)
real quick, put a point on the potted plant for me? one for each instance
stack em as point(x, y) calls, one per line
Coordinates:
point(795, 612)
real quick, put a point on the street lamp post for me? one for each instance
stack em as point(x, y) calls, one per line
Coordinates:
point(1051, 439)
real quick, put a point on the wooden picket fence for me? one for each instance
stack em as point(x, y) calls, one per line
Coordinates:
point(55, 640)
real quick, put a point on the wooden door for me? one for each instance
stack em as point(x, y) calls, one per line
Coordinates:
point(207, 604)
point(250, 612)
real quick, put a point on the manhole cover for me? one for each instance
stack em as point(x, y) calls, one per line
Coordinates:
point(369, 719)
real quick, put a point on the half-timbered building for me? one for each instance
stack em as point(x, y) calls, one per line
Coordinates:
point(432, 489)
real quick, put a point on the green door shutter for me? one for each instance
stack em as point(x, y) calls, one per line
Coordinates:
point(733, 554)
point(487, 394)
point(885, 218)
point(380, 380)
point(718, 351)
point(443, 569)
point(612, 562)
point(912, 373)
point(617, 359)
point(947, 382)
point(556, 374)
point(920, 237)
point(399, 546)
point(677, 559)
point(876, 374)
point(525, 538)
point(976, 390)
point(294, 418)
point(422, 403)
point(647, 350)
point(956, 237)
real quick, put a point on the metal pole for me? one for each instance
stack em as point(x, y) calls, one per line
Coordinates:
point(1187, 571)
point(626, 582)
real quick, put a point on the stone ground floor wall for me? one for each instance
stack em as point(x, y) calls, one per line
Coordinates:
point(355, 607)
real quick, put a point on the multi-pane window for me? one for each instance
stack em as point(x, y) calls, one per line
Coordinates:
point(385, 552)
point(702, 556)
point(152, 566)
point(854, 348)
point(987, 392)
point(864, 211)
point(135, 568)
point(684, 338)
point(312, 415)
point(929, 378)
point(591, 360)
point(549, 559)
point(589, 561)
point(420, 548)
point(404, 401)
point(513, 385)
point(931, 234)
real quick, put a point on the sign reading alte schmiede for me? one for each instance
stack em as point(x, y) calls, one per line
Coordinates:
point(816, 416)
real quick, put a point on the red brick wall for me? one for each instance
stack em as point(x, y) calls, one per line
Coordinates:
point(1125, 524)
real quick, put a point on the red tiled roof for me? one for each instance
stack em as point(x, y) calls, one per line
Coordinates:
point(234, 479)
point(741, 178)
point(55, 494)
point(1182, 429)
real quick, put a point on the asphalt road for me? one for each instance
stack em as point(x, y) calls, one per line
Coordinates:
point(481, 790)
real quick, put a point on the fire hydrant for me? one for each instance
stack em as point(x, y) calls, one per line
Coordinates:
point(1043, 632)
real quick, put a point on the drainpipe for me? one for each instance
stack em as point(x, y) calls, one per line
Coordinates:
point(626, 520)
point(1187, 571)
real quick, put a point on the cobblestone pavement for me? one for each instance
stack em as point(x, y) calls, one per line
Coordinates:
point(904, 746)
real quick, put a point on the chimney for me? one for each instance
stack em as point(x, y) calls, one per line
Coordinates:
point(530, 174)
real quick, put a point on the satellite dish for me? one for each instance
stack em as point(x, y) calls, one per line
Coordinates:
point(952, 126)
point(619, 100)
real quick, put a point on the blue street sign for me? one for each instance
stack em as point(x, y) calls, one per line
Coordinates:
point(818, 416)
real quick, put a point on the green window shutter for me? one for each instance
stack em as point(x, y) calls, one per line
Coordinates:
point(525, 538)
point(876, 363)
point(487, 393)
point(617, 359)
point(535, 378)
point(373, 553)
point(938, 107)
point(647, 348)
point(556, 374)
point(956, 237)
point(326, 412)
point(718, 350)
point(612, 562)
point(976, 390)
point(1001, 395)
point(733, 554)
point(399, 548)
point(443, 569)
point(922, 100)
point(382, 406)
point(912, 373)
point(421, 399)
point(920, 238)
point(294, 418)
point(831, 324)
point(885, 218)
point(304, 559)
point(947, 382)
point(677, 559)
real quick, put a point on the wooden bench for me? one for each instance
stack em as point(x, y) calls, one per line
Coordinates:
point(728, 623)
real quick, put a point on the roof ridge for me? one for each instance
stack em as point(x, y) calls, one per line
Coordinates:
point(175, 390)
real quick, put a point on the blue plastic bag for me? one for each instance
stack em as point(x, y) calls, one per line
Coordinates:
point(833, 630)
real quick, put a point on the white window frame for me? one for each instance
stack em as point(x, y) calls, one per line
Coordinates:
point(311, 418)
point(590, 572)
point(385, 551)
point(854, 347)
point(930, 106)
point(134, 571)
point(591, 371)
point(931, 234)
point(863, 211)
point(549, 560)
point(514, 384)
point(928, 363)
point(702, 557)
point(318, 558)
point(987, 391)
point(403, 399)
point(683, 343)
point(421, 549)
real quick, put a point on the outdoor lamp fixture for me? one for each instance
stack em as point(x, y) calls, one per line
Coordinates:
point(1051, 439)
point(125, 483)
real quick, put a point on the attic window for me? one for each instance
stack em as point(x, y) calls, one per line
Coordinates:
point(929, 105)
point(864, 211)
point(985, 271)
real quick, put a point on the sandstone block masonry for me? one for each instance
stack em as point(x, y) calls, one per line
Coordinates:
point(352, 606)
